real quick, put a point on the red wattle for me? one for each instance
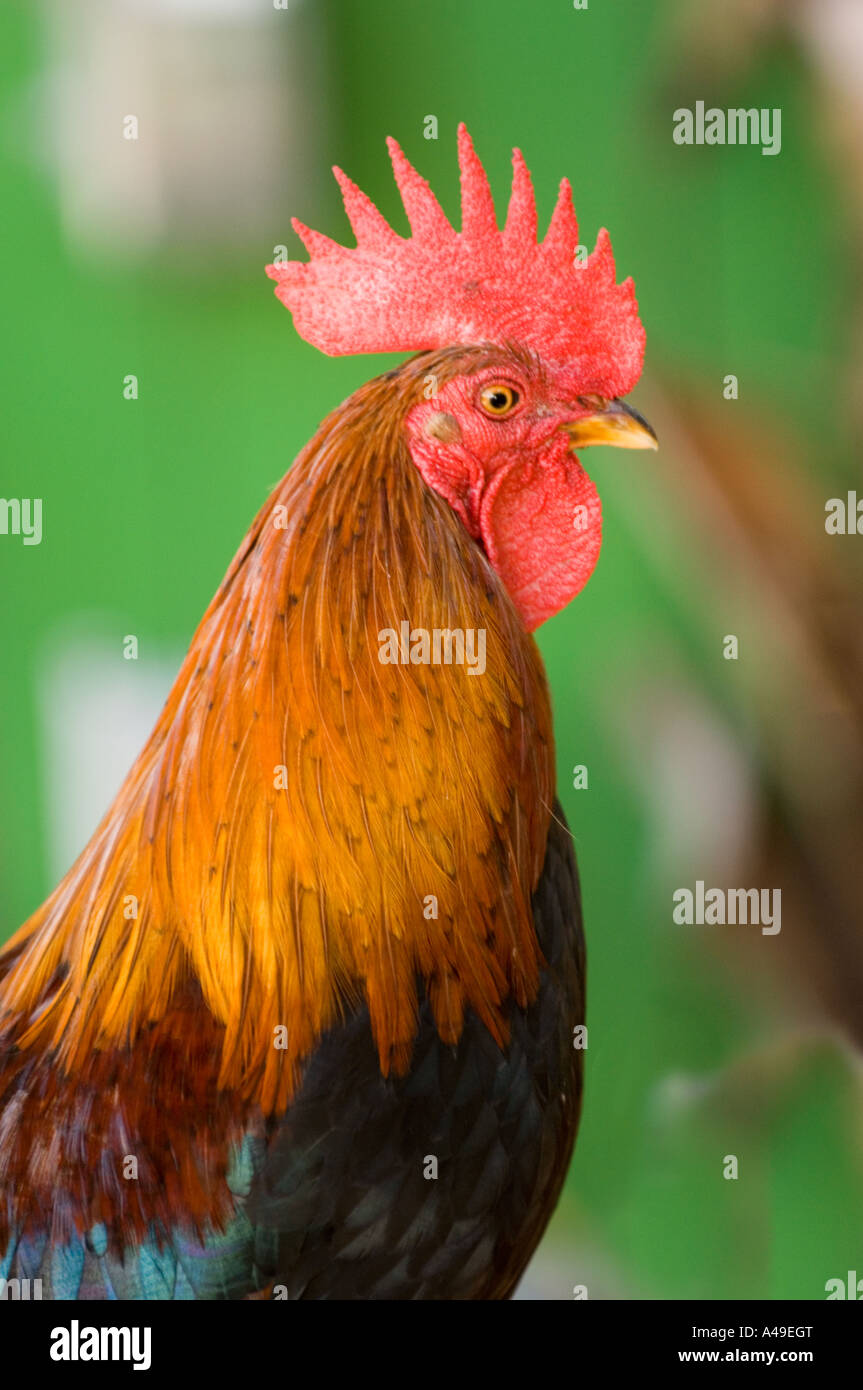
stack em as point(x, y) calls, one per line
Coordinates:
point(541, 525)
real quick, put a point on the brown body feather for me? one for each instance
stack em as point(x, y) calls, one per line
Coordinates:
point(221, 898)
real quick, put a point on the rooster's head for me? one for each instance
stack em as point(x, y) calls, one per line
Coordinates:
point(551, 342)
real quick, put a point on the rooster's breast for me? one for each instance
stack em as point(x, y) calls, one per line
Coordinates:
point(437, 1185)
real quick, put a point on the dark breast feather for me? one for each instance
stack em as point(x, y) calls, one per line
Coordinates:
point(343, 1209)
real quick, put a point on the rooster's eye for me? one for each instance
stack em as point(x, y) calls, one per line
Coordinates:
point(498, 399)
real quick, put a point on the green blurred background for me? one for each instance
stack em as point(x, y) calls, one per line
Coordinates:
point(146, 257)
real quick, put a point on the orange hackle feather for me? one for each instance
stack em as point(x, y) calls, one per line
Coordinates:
point(266, 862)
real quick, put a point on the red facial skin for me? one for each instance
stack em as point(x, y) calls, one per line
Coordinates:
point(515, 484)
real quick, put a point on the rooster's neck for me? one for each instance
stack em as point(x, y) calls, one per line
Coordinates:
point(310, 826)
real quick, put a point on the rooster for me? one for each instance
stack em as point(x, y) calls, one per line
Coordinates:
point(299, 1021)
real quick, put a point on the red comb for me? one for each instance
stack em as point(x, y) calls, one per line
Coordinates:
point(440, 287)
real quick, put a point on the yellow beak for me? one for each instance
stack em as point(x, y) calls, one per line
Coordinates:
point(610, 422)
